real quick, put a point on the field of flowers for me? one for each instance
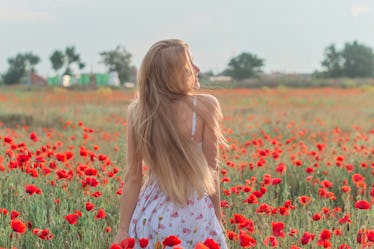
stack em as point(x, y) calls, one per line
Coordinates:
point(298, 172)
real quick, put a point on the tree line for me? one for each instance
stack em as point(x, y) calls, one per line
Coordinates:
point(353, 60)
point(64, 61)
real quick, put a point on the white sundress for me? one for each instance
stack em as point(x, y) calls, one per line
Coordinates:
point(155, 217)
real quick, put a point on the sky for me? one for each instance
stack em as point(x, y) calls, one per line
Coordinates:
point(290, 35)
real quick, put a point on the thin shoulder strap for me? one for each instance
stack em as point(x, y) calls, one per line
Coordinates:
point(194, 117)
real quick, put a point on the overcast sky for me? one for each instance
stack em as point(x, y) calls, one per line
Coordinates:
point(290, 35)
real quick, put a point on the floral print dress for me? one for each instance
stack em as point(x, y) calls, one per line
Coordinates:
point(155, 217)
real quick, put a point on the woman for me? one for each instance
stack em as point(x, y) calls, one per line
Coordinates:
point(176, 134)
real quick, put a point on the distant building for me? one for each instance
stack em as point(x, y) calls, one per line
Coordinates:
point(86, 79)
point(113, 79)
point(220, 78)
point(36, 79)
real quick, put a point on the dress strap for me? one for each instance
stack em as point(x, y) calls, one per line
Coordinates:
point(194, 117)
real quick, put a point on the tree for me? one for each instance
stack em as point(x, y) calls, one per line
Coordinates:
point(67, 59)
point(245, 65)
point(333, 62)
point(355, 60)
point(358, 60)
point(118, 60)
point(58, 60)
point(19, 66)
point(72, 57)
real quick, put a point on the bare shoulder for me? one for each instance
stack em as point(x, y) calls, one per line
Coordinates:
point(209, 101)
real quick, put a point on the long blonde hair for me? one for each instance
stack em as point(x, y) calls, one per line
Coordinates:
point(178, 165)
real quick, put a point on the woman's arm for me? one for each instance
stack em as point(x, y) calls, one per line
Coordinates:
point(210, 149)
point(132, 186)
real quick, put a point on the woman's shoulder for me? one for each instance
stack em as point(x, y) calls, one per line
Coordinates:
point(210, 100)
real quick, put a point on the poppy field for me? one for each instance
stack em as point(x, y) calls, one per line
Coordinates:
point(298, 171)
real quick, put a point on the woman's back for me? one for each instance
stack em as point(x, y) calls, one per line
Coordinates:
point(156, 216)
point(187, 121)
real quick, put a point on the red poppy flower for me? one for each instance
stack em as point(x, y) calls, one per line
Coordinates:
point(3, 211)
point(33, 136)
point(44, 234)
point(61, 157)
point(89, 206)
point(32, 189)
point(317, 217)
point(22, 158)
point(356, 178)
point(36, 231)
point(238, 218)
point(61, 173)
point(69, 155)
point(100, 214)
point(345, 219)
point(264, 208)
point(325, 243)
point(200, 246)
point(276, 181)
point(307, 237)
point(171, 240)
point(8, 140)
point(128, 243)
point(102, 157)
point(346, 189)
point(325, 234)
point(252, 199)
point(370, 235)
point(246, 241)
point(361, 237)
point(362, 204)
point(278, 229)
point(143, 242)
point(321, 147)
point(83, 152)
point(90, 181)
point(304, 200)
point(232, 235)
point(293, 232)
point(78, 212)
point(115, 246)
point(211, 244)
point(326, 184)
point(14, 214)
point(281, 168)
point(344, 246)
point(96, 194)
point(288, 204)
point(90, 172)
point(18, 226)
point(338, 232)
point(72, 218)
point(271, 241)
point(349, 167)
